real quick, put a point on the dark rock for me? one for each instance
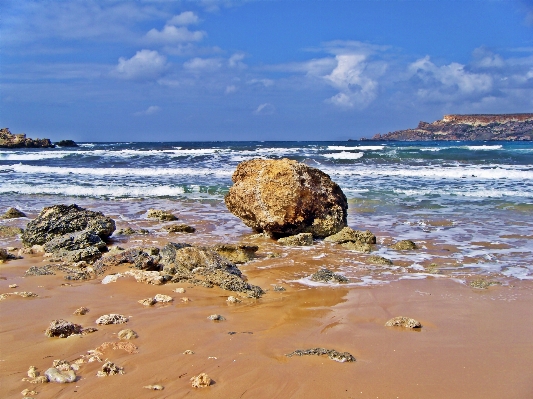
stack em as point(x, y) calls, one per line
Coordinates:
point(284, 197)
point(46, 270)
point(62, 329)
point(58, 220)
point(139, 258)
point(128, 231)
point(378, 260)
point(326, 275)
point(66, 143)
point(331, 353)
point(13, 213)
point(74, 241)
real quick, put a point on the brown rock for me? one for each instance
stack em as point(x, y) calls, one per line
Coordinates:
point(348, 234)
point(285, 197)
point(13, 213)
point(402, 321)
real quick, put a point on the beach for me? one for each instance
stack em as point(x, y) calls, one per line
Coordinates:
point(469, 217)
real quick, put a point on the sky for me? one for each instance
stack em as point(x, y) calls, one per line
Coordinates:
point(164, 70)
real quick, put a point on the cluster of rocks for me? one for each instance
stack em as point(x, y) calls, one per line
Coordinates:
point(341, 357)
point(10, 140)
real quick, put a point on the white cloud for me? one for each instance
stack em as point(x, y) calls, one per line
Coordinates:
point(264, 82)
point(231, 89)
point(235, 61)
point(350, 78)
point(144, 65)
point(203, 64)
point(174, 34)
point(152, 109)
point(265, 109)
point(185, 18)
point(449, 80)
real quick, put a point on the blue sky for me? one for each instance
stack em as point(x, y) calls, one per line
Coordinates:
point(258, 70)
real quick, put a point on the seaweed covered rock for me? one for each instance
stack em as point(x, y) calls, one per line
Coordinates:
point(58, 220)
point(340, 357)
point(13, 213)
point(325, 275)
point(10, 231)
point(237, 253)
point(162, 215)
point(347, 234)
point(298, 240)
point(285, 197)
point(179, 228)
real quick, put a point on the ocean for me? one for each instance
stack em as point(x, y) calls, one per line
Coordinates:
point(469, 204)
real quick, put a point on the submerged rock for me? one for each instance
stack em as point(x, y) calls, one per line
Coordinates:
point(482, 284)
point(401, 321)
point(200, 381)
point(62, 377)
point(10, 231)
point(62, 329)
point(58, 220)
point(298, 240)
point(347, 234)
point(128, 231)
point(66, 143)
point(357, 246)
point(179, 228)
point(164, 216)
point(326, 275)
point(331, 353)
point(285, 197)
point(404, 245)
point(13, 213)
point(237, 253)
point(378, 260)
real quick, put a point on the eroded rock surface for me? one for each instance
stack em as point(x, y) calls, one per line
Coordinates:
point(285, 197)
point(331, 353)
point(298, 240)
point(63, 328)
point(347, 234)
point(58, 220)
point(13, 213)
point(402, 321)
point(237, 253)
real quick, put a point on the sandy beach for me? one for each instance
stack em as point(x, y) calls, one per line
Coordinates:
point(474, 343)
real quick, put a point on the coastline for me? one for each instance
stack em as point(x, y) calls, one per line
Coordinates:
point(474, 343)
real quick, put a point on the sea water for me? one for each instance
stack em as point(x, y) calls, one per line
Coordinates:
point(476, 197)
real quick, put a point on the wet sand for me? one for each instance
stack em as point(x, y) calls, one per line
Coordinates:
point(474, 343)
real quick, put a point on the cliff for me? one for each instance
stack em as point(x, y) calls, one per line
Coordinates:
point(510, 127)
point(10, 140)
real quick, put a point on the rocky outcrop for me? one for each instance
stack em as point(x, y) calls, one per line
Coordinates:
point(509, 127)
point(13, 213)
point(66, 143)
point(71, 233)
point(58, 220)
point(10, 140)
point(285, 197)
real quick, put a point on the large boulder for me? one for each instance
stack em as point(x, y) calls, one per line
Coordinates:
point(285, 197)
point(58, 220)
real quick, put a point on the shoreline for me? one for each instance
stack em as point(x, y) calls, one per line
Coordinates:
point(473, 344)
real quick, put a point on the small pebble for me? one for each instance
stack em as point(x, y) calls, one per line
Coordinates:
point(127, 334)
point(147, 301)
point(179, 290)
point(81, 311)
point(13, 285)
point(163, 298)
point(27, 392)
point(188, 352)
point(216, 317)
point(232, 299)
point(32, 372)
point(154, 387)
point(185, 299)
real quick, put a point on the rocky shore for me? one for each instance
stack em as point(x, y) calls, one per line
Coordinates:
point(506, 127)
point(92, 304)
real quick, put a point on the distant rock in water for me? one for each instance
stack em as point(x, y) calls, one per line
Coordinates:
point(10, 140)
point(66, 143)
point(508, 127)
point(284, 197)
